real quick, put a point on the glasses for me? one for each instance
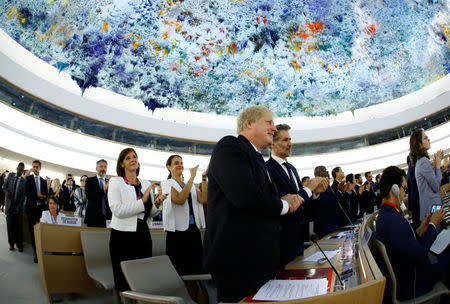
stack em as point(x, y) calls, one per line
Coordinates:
point(83, 179)
point(405, 188)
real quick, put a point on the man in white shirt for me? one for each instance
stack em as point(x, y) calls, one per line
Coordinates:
point(242, 239)
point(96, 193)
point(294, 226)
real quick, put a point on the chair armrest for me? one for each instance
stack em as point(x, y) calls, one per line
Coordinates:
point(150, 298)
point(196, 277)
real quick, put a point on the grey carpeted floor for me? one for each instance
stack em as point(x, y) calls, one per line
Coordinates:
point(20, 281)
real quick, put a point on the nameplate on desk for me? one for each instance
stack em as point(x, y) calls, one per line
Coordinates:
point(156, 224)
point(70, 221)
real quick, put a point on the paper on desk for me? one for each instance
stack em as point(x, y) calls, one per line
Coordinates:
point(441, 242)
point(282, 290)
point(316, 256)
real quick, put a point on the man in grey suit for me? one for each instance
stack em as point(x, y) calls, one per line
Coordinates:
point(14, 188)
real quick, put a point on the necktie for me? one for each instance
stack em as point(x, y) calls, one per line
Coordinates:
point(14, 190)
point(38, 184)
point(291, 176)
point(102, 184)
point(261, 161)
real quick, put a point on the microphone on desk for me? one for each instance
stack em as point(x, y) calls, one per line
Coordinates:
point(314, 239)
point(346, 215)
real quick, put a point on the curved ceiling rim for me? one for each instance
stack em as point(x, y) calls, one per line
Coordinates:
point(24, 139)
point(444, 95)
point(32, 74)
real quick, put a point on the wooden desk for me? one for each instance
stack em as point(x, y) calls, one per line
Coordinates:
point(61, 261)
point(369, 291)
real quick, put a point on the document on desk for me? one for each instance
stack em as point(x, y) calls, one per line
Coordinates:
point(441, 242)
point(316, 256)
point(283, 290)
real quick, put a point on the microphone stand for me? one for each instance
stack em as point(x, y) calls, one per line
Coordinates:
point(314, 240)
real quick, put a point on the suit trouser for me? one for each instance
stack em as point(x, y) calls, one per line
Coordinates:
point(33, 220)
point(14, 227)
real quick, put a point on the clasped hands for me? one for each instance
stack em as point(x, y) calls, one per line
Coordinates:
point(294, 201)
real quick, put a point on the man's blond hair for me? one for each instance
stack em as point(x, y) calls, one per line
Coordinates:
point(252, 113)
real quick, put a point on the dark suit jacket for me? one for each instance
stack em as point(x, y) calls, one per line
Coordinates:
point(68, 203)
point(34, 205)
point(408, 254)
point(368, 199)
point(242, 239)
point(94, 215)
point(291, 244)
point(14, 204)
point(413, 194)
point(327, 214)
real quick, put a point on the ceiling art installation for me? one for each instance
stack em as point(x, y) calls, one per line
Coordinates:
point(297, 57)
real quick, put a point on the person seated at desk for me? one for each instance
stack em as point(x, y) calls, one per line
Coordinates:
point(408, 249)
point(52, 215)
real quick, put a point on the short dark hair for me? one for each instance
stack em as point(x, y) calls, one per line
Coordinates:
point(21, 164)
point(121, 170)
point(319, 169)
point(391, 176)
point(305, 178)
point(367, 173)
point(349, 178)
point(37, 161)
point(54, 198)
point(280, 127)
point(169, 162)
point(101, 161)
point(335, 170)
point(357, 176)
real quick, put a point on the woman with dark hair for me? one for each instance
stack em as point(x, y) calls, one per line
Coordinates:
point(80, 198)
point(183, 216)
point(133, 205)
point(51, 215)
point(428, 174)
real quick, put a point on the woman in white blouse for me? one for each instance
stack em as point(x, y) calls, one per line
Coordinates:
point(183, 216)
point(133, 205)
point(52, 215)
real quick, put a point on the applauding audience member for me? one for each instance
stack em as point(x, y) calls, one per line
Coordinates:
point(80, 198)
point(96, 193)
point(183, 216)
point(51, 215)
point(36, 194)
point(14, 189)
point(68, 195)
point(407, 248)
point(133, 205)
point(428, 174)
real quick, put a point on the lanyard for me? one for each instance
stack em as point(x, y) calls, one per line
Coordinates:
point(392, 205)
point(139, 195)
point(54, 220)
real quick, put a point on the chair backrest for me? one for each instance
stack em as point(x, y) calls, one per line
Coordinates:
point(371, 221)
point(381, 257)
point(158, 242)
point(96, 250)
point(155, 275)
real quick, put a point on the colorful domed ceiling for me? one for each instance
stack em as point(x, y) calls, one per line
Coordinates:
point(308, 57)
